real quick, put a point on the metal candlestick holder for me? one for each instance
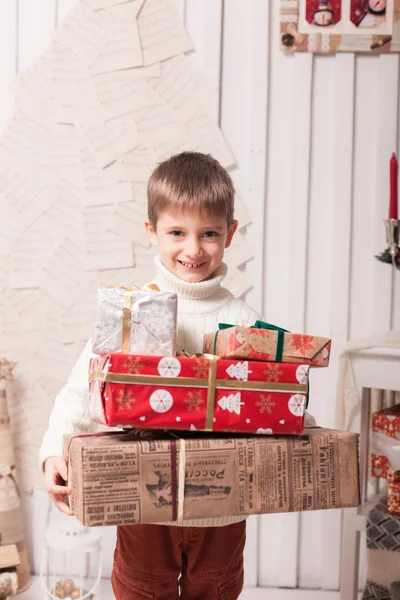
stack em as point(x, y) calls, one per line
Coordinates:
point(392, 253)
point(392, 239)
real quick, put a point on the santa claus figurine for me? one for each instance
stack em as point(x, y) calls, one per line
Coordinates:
point(323, 15)
point(373, 13)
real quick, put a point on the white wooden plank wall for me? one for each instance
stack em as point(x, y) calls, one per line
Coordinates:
point(312, 137)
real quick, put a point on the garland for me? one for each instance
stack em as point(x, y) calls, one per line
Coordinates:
point(386, 257)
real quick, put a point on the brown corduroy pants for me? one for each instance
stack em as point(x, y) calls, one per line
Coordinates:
point(150, 559)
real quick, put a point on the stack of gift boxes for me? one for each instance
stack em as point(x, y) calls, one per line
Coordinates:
point(209, 435)
point(385, 452)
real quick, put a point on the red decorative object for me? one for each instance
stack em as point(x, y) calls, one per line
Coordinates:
point(198, 393)
point(368, 15)
point(393, 187)
point(393, 498)
point(323, 13)
point(380, 467)
point(387, 421)
point(385, 424)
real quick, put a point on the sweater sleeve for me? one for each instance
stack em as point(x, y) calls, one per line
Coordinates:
point(252, 318)
point(239, 313)
point(70, 412)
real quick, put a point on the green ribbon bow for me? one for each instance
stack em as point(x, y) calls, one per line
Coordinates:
point(259, 325)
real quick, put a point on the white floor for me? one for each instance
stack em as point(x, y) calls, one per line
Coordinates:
point(35, 592)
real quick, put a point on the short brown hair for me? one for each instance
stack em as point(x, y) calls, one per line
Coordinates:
point(190, 180)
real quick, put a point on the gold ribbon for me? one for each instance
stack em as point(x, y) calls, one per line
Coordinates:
point(212, 375)
point(261, 386)
point(127, 311)
point(212, 383)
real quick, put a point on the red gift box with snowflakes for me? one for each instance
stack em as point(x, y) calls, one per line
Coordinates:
point(393, 498)
point(387, 421)
point(380, 467)
point(198, 393)
point(385, 427)
point(266, 342)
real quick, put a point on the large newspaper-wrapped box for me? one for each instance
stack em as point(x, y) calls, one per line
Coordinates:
point(123, 478)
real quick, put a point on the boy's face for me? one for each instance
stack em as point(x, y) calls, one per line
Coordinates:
point(191, 245)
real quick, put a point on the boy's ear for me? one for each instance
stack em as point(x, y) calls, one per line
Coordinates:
point(151, 233)
point(231, 233)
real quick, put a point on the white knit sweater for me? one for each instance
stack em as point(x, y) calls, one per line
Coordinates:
point(201, 306)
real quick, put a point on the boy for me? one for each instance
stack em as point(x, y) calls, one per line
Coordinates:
point(190, 219)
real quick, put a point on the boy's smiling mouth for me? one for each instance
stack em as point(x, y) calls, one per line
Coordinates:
point(191, 265)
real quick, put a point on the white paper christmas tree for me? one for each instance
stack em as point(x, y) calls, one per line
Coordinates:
point(112, 96)
point(239, 371)
point(231, 403)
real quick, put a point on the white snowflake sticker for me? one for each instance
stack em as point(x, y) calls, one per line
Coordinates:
point(161, 401)
point(262, 431)
point(302, 374)
point(297, 405)
point(169, 367)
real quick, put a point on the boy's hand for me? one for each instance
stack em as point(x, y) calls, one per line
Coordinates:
point(56, 475)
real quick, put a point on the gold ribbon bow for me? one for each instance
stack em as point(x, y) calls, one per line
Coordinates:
point(127, 311)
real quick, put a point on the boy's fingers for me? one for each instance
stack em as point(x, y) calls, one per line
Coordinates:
point(53, 477)
point(62, 506)
point(58, 489)
point(61, 468)
point(55, 473)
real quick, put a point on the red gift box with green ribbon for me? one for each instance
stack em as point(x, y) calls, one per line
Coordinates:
point(268, 343)
point(198, 393)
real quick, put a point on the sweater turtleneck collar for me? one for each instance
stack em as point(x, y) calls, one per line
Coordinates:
point(169, 282)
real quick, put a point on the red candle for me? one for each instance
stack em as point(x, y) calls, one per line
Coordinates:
point(393, 187)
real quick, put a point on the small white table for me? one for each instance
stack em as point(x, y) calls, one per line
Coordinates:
point(377, 368)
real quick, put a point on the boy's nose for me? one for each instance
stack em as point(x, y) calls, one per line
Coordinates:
point(193, 250)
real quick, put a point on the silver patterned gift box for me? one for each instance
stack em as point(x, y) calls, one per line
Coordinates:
point(135, 321)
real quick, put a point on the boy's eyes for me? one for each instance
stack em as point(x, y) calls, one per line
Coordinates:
point(207, 234)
